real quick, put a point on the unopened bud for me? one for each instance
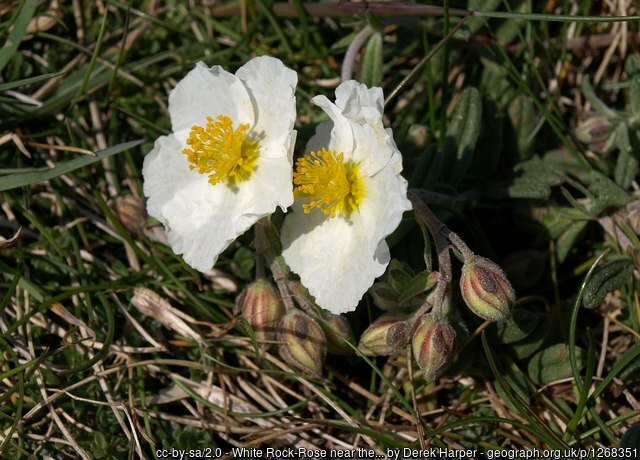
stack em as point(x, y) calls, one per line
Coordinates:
point(433, 344)
point(386, 335)
point(337, 330)
point(262, 307)
point(302, 342)
point(594, 130)
point(486, 289)
point(132, 213)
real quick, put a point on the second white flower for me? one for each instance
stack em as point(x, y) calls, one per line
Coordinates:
point(350, 196)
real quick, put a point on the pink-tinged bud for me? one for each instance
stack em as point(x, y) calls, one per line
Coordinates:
point(386, 335)
point(262, 307)
point(594, 130)
point(302, 342)
point(486, 289)
point(433, 344)
point(132, 212)
point(337, 330)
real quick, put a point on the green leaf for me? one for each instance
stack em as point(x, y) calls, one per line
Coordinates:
point(627, 164)
point(12, 181)
point(371, 71)
point(532, 343)
point(19, 29)
point(419, 284)
point(631, 440)
point(524, 187)
point(535, 179)
point(634, 95)
point(553, 363)
point(28, 81)
point(462, 134)
point(526, 121)
point(595, 102)
point(398, 278)
point(632, 66)
point(558, 219)
point(606, 193)
point(521, 324)
point(567, 239)
point(607, 278)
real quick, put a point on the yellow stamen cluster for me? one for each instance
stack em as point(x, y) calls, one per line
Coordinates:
point(331, 184)
point(221, 151)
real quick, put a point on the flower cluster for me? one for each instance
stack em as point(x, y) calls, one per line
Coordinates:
point(229, 163)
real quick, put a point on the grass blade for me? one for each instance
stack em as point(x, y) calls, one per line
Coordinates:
point(20, 180)
point(19, 29)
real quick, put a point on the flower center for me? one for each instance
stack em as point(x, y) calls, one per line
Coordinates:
point(331, 184)
point(221, 151)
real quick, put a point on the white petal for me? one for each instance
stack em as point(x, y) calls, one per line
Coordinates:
point(359, 103)
point(199, 222)
point(165, 170)
point(203, 219)
point(271, 87)
point(321, 138)
point(341, 135)
point(338, 259)
point(205, 92)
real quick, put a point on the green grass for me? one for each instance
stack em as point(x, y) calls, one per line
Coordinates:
point(485, 108)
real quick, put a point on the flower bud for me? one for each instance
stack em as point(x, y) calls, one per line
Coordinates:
point(433, 344)
point(337, 329)
point(486, 289)
point(132, 213)
point(594, 130)
point(302, 342)
point(386, 335)
point(262, 307)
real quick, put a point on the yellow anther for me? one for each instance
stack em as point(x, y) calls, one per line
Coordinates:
point(222, 152)
point(330, 184)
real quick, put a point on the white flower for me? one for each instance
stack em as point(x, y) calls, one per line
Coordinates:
point(228, 161)
point(350, 196)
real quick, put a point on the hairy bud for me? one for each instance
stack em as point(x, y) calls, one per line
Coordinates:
point(433, 344)
point(302, 342)
point(386, 335)
point(486, 289)
point(337, 330)
point(262, 307)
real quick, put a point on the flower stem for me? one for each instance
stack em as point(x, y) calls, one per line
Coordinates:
point(268, 246)
point(444, 239)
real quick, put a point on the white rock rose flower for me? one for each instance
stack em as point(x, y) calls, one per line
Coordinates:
point(349, 197)
point(228, 162)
